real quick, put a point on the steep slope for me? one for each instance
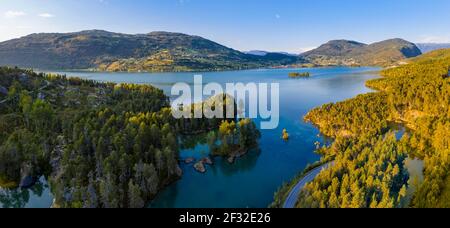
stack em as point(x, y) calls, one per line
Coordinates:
point(343, 52)
point(156, 51)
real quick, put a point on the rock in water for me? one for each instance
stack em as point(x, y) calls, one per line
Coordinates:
point(231, 159)
point(189, 160)
point(286, 135)
point(200, 167)
point(207, 161)
point(179, 171)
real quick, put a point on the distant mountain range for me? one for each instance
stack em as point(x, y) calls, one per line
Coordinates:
point(428, 47)
point(257, 52)
point(164, 51)
point(347, 53)
point(264, 53)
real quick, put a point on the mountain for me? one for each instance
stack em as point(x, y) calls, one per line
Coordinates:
point(257, 52)
point(335, 48)
point(156, 51)
point(350, 53)
point(264, 53)
point(428, 47)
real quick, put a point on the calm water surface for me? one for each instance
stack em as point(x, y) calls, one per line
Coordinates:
point(252, 180)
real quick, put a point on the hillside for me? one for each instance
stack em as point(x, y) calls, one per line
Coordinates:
point(350, 53)
point(100, 145)
point(102, 50)
point(369, 160)
point(335, 48)
point(430, 56)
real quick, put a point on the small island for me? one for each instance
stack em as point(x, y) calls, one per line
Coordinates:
point(299, 75)
point(234, 139)
point(286, 135)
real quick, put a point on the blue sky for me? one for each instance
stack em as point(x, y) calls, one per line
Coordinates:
point(274, 25)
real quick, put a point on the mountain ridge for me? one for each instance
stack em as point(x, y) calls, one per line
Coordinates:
point(161, 51)
point(154, 51)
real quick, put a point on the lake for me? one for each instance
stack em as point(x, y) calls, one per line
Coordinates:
point(253, 179)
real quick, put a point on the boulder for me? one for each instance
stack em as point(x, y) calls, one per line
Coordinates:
point(231, 159)
point(179, 171)
point(200, 167)
point(189, 160)
point(208, 161)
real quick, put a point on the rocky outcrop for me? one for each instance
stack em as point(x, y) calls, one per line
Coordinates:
point(179, 171)
point(207, 160)
point(231, 159)
point(189, 160)
point(200, 167)
point(235, 155)
point(56, 156)
point(24, 78)
point(26, 176)
point(3, 91)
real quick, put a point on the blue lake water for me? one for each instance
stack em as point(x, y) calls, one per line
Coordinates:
point(39, 196)
point(253, 179)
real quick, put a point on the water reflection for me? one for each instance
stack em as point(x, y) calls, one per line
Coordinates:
point(38, 196)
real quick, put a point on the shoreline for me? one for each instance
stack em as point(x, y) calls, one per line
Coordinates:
point(57, 71)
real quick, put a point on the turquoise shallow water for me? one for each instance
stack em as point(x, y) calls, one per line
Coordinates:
point(252, 180)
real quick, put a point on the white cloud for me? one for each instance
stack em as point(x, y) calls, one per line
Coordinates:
point(14, 14)
point(434, 39)
point(46, 15)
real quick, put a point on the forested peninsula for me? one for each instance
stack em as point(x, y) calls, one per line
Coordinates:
point(369, 169)
point(98, 144)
